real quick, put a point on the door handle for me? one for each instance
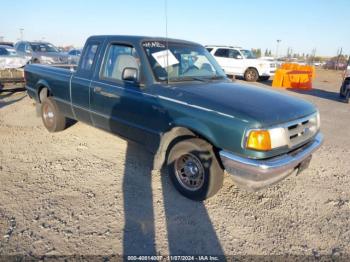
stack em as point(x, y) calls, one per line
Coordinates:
point(97, 89)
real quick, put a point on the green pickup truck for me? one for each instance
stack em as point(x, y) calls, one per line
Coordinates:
point(172, 97)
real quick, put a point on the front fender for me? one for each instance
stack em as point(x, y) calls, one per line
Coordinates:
point(197, 127)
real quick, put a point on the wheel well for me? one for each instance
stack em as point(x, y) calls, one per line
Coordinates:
point(43, 93)
point(170, 138)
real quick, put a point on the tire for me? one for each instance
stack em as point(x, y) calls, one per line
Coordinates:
point(53, 119)
point(264, 78)
point(342, 92)
point(194, 169)
point(251, 75)
point(347, 97)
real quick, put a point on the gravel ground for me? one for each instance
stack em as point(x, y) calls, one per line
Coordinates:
point(84, 191)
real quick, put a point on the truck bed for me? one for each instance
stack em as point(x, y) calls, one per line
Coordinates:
point(58, 76)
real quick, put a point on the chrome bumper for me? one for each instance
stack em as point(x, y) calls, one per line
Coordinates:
point(253, 174)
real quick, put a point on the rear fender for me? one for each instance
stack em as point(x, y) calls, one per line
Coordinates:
point(40, 86)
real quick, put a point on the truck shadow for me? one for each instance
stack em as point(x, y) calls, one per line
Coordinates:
point(7, 94)
point(188, 225)
point(333, 96)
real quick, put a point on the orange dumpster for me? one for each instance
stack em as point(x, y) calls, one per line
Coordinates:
point(294, 76)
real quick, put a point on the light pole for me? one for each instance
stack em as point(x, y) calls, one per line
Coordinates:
point(278, 41)
point(21, 30)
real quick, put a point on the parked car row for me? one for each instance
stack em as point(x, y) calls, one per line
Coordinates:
point(23, 52)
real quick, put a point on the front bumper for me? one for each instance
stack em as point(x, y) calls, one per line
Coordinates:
point(270, 72)
point(253, 174)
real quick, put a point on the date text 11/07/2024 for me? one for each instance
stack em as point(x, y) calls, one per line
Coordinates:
point(174, 258)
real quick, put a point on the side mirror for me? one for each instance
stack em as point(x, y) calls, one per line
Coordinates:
point(238, 57)
point(130, 74)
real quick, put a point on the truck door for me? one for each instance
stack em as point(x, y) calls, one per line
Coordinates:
point(120, 106)
point(80, 83)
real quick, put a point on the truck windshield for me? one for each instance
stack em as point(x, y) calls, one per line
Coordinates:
point(181, 62)
point(42, 47)
point(248, 54)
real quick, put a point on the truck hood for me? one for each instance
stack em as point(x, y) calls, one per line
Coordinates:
point(246, 102)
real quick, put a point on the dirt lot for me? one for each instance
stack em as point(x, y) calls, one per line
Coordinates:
point(84, 191)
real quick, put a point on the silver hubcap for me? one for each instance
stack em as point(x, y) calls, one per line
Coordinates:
point(189, 172)
point(48, 115)
point(251, 75)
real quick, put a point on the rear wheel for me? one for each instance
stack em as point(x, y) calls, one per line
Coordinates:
point(251, 75)
point(344, 87)
point(347, 97)
point(194, 169)
point(53, 119)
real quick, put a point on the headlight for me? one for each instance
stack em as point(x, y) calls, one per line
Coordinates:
point(47, 59)
point(264, 140)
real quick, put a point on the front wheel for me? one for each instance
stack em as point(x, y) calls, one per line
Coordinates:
point(251, 75)
point(53, 119)
point(347, 97)
point(194, 169)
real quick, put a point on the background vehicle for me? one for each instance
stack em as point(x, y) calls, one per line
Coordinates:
point(74, 56)
point(345, 87)
point(10, 59)
point(334, 65)
point(11, 67)
point(41, 52)
point(172, 97)
point(241, 62)
point(7, 43)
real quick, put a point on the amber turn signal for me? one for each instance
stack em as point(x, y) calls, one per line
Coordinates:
point(259, 140)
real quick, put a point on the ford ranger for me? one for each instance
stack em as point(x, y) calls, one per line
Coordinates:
point(172, 97)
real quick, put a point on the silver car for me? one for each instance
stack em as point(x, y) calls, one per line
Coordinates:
point(74, 56)
point(10, 59)
point(41, 52)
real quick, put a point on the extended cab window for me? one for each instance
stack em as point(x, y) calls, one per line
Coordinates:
point(89, 57)
point(222, 52)
point(119, 57)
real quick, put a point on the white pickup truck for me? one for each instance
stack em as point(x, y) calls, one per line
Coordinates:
point(242, 62)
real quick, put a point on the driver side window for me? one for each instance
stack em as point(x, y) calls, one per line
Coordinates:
point(118, 58)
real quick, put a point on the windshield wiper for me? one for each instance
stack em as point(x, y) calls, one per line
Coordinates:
point(216, 77)
point(187, 78)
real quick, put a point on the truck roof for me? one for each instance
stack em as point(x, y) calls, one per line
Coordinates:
point(137, 39)
point(223, 46)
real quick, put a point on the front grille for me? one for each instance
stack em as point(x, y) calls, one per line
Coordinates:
point(301, 131)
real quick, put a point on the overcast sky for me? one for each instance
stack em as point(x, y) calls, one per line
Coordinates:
point(301, 25)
